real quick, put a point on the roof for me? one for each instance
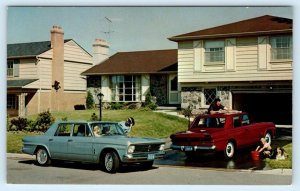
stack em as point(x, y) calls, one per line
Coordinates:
point(30, 49)
point(263, 25)
point(154, 61)
point(19, 83)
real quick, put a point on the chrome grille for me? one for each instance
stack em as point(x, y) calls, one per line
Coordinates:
point(146, 148)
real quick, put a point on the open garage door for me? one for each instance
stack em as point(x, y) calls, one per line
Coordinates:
point(265, 106)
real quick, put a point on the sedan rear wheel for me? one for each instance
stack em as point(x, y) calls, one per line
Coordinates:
point(42, 157)
point(229, 150)
point(111, 162)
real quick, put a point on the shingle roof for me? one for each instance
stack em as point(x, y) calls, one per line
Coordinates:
point(154, 61)
point(19, 83)
point(263, 25)
point(30, 49)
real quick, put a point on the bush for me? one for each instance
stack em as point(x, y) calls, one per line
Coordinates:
point(132, 106)
point(94, 117)
point(44, 120)
point(116, 106)
point(149, 103)
point(19, 124)
point(89, 101)
point(151, 106)
point(31, 125)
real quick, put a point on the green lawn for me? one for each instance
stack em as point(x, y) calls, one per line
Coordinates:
point(147, 124)
point(287, 163)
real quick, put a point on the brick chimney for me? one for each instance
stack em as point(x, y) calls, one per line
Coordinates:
point(57, 45)
point(100, 51)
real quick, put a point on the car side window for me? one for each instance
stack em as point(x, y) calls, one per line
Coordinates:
point(236, 121)
point(63, 130)
point(81, 130)
point(245, 120)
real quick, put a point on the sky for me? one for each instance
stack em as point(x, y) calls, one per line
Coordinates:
point(132, 29)
point(125, 28)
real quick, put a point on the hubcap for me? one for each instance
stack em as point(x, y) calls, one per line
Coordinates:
point(108, 162)
point(42, 156)
point(268, 138)
point(229, 150)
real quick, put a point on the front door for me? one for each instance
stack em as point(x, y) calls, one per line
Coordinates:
point(174, 89)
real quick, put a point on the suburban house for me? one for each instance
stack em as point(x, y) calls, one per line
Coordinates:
point(129, 76)
point(248, 64)
point(46, 75)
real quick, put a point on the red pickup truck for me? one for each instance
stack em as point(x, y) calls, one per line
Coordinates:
point(222, 132)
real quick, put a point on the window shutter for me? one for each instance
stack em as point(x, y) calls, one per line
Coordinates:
point(16, 67)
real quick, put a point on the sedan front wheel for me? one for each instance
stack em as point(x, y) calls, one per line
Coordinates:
point(111, 162)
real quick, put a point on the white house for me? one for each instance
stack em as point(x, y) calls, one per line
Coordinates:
point(248, 64)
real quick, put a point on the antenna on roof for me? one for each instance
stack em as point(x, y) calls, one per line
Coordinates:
point(109, 31)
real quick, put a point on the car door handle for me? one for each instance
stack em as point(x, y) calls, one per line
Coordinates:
point(70, 140)
point(50, 139)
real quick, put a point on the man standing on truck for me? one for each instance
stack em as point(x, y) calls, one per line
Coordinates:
point(216, 107)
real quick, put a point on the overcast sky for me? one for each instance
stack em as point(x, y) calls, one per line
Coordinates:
point(125, 28)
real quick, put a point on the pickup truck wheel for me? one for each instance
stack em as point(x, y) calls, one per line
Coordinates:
point(111, 162)
point(42, 157)
point(268, 138)
point(229, 150)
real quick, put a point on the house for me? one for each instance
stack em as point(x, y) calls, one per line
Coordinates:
point(248, 64)
point(129, 76)
point(45, 75)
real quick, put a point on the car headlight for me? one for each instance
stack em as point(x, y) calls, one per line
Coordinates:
point(162, 147)
point(131, 149)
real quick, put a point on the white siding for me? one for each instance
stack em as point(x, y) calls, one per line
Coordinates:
point(244, 56)
point(73, 52)
point(43, 73)
point(73, 80)
point(28, 69)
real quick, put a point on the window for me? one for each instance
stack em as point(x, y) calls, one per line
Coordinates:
point(236, 121)
point(126, 88)
point(63, 130)
point(10, 68)
point(81, 130)
point(214, 52)
point(12, 101)
point(210, 95)
point(94, 82)
point(281, 47)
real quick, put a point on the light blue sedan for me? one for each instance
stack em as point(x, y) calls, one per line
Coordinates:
point(104, 143)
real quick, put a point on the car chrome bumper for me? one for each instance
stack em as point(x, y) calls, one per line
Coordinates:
point(142, 157)
point(192, 148)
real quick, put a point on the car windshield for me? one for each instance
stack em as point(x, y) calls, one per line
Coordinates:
point(208, 122)
point(102, 129)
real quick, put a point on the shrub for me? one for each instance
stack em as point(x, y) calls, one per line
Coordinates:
point(64, 118)
point(44, 120)
point(116, 106)
point(151, 106)
point(94, 117)
point(19, 123)
point(89, 101)
point(31, 125)
point(149, 102)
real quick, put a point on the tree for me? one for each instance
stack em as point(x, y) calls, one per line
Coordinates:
point(89, 100)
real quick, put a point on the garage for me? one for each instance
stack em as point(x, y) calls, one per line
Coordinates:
point(265, 106)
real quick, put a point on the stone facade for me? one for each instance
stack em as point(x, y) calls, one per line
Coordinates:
point(193, 97)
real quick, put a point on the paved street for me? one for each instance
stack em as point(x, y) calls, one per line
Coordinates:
point(21, 169)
